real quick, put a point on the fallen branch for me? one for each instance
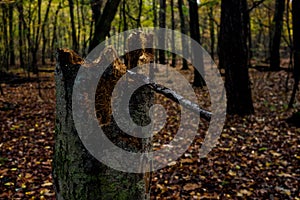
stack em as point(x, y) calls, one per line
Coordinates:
point(171, 95)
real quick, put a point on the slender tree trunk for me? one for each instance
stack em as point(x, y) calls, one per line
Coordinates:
point(54, 38)
point(45, 39)
point(20, 31)
point(125, 25)
point(183, 30)
point(173, 64)
point(212, 32)
point(78, 25)
point(36, 38)
point(162, 24)
point(11, 35)
point(195, 34)
point(84, 34)
point(296, 38)
point(233, 56)
point(74, 38)
point(154, 9)
point(276, 30)
point(5, 36)
point(138, 22)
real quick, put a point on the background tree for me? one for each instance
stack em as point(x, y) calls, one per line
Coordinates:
point(162, 24)
point(233, 56)
point(74, 38)
point(276, 29)
point(183, 30)
point(21, 33)
point(173, 63)
point(195, 34)
point(296, 38)
point(45, 39)
point(103, 21)
point(5, 35)
point(12, 56)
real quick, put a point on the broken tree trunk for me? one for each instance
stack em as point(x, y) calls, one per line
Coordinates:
point(76, 173)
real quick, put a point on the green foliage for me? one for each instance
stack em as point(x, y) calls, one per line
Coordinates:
point(209, 3)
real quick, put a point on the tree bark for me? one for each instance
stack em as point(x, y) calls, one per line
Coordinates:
point(276, 30)
point(162, 24)
point(103, 22)
point(35, 39)
point(74, 38)
point(173, 63)
point(54, 38)
point(11, 36)
point(195, 34)
point(296, 38)
point(138, 22)
point(20, 27)
point(45, 39)
point(77, 175)
point(233, 56)
point(183, 30)
point(5, 36)
point(212, 32)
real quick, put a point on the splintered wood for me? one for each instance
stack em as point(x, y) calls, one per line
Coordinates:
point(107, 84)
point(68, 57)
point(117, 69)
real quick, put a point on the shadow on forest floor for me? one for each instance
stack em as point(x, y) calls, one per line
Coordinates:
point(16, 79)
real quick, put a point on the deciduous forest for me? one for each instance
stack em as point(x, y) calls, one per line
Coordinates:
point(255, 45)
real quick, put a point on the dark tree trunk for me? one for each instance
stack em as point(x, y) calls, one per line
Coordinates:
point(125, 25)
point(173, 64)
point(247, 28)
point(103, 22)
point(162, 24)
point(54, 38)
point(35, 46)
point(296, 38)
point(233, 56)
point(5, 36)
point(45, 39)
point(78, 25)
point(212, 32)
point(74, 38)
point(84, 34)
point(276, 30)
point(138, 22)
point(11, 36)
point(154, 9)
point(183, 30)
point(195, 34)
point(96, 6)
point(20, 27)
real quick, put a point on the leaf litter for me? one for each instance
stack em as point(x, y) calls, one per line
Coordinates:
point(257, 157)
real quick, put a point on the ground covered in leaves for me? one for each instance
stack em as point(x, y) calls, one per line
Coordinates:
point(258, 156)
point(26, 142)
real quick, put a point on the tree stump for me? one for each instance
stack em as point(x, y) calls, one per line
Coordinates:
point(76, 173)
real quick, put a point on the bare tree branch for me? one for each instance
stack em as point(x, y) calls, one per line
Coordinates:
point(171, 95)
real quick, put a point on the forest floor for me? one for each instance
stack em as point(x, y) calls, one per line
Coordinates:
point(258, 156)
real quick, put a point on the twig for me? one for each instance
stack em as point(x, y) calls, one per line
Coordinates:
point(255, 5)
